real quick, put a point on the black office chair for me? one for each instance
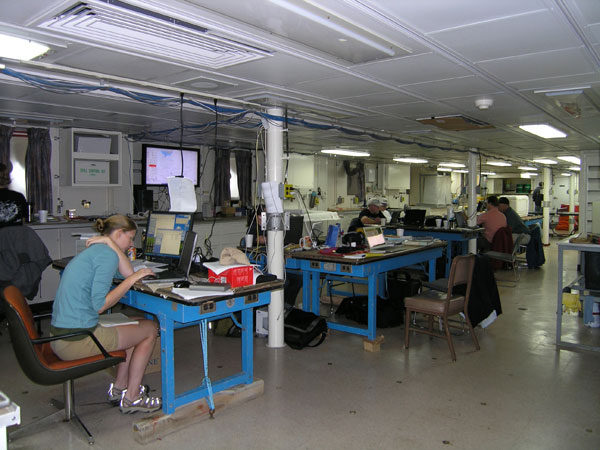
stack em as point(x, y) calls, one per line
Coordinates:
point(40, 363)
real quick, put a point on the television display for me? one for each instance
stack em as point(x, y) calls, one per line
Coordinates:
point(160, 162)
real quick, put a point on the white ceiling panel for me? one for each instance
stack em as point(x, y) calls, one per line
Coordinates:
point(511, 36)
point(586, 10)
point(380, 99)
point(413, 69)
point(456, 87)
point(339, 87)
point(573, 61)
point(567, 81)
point(416, 110)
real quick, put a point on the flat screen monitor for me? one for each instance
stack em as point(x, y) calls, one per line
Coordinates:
point(161, 162)
point(415, 217)
point(165, 233)
point(294, 234)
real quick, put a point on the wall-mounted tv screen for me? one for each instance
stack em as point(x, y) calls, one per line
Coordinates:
point(160, 162)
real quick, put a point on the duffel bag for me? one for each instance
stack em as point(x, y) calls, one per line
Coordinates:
point(301, 328)
point(390, 312)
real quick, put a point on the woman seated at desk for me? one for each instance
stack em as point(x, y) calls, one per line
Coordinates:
point(85, 292)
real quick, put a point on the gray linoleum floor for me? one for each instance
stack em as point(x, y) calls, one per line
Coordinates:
point(518, 392)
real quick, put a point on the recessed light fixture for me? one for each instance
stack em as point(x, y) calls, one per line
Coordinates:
point(17, 48)
point(545, 161)
point(488, 173)
point(543, 130)
point(528, 168)
point(460, 171)
point(444, 169)
point(345, 152)
point(571, 159)
point(566, 174)
point(576, 168)
point(498, 163)
point(451, 164)
point(411, 160)
point(528, 175)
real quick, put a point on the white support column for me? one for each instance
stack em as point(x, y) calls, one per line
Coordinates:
point(572, 188)
point(275, 260)
point(546, 206)
point(472, 195)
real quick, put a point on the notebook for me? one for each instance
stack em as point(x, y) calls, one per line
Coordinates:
point(415, 217)
point(376, 241)
point(183, 268)
point(461, 222)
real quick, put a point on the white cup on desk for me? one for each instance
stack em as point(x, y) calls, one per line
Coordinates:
point(249, 240)
point(382, 223)
point(446, 224)
point(43, 215)
point(438, 223)
point(399, 232)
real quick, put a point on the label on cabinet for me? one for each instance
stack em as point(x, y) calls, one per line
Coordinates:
point(91, 172)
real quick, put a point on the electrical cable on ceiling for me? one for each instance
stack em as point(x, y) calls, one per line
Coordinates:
point(207, 243)
point(181, 131)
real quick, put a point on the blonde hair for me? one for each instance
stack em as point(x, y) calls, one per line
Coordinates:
point(113, 223)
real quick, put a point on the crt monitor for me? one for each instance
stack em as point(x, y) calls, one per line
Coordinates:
point(165, 233)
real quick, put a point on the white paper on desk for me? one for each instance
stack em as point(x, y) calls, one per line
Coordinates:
point(182, 194)
point(270, 192)
point(217, 267)
point(190, 294)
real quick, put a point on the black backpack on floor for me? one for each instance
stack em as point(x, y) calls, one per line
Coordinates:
point(303, 327)
point(390, 312)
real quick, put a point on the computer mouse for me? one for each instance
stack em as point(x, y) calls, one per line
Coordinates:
point(181, 284)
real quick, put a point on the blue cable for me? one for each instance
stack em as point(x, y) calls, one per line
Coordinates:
point(206, 380)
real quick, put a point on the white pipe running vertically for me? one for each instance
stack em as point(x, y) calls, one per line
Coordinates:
point(572, 188)
point(546, 205)
point(275, 260)
point(472, 195)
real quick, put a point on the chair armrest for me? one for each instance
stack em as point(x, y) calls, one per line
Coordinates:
point(74, 333)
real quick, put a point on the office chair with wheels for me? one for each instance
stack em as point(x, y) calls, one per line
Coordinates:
point(443, 305)
point(39, 362)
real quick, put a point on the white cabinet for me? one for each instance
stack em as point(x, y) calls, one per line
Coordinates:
point(90, 157)
point(398, 176)
point(589, 188)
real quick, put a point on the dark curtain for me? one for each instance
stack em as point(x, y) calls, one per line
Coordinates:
point(37, 169)
point(359, 173)
point(222, 177)
point(5, 135)
point(243, 165)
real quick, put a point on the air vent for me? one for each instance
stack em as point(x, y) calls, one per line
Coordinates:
point(118, 25)
point(455, 123)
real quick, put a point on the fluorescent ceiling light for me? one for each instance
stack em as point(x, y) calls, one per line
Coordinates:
point(571, 159)
point(562, 91)
point(460, 171)
point(576, 168)
point(488, 173)
point(498, 163)
point(327, 22)
point(457, 165)
point(530, 169)
point(544, 131)
point(528, 175)
point(345, 152)
point(411, 160)
point(566, 174)
point(444, 169)
point(22, 49)
point(545, 161)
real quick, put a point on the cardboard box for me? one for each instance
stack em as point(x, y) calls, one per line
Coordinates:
point(236, 276)
point(228, 210)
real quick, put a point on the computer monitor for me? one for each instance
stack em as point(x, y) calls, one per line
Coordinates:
point(294, 234)
point(165, 233)
point(415, 217)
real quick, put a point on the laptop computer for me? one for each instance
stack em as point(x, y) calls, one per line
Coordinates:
point(376, 241)
point(461, 222)
point(395, 217)
point(415, 217)
point(294, 234)
point(183, 268)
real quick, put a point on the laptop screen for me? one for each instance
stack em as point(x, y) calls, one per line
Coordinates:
point(374, 236)
point(187, 253)
point(461, 222)
point(293, 235)
point(166, 232)
point(415, 217)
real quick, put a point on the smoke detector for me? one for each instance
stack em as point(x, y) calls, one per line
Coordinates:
point(484, 103)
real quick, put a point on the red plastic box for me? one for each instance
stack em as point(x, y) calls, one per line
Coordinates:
point(236, 276)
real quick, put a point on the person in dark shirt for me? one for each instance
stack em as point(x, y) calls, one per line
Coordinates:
point(513, 220)
point(372, 215)
point(13, 205)
point(538, 198)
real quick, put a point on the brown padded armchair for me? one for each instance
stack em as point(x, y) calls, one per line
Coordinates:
point(39, 362)
point(444, 304)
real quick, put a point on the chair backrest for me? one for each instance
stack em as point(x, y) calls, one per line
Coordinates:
point(461, 272)
point(518, 242)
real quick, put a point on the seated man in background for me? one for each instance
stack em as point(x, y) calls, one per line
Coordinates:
point(384, 210)
point(491, 220)
point(513, 220)
point(372, 215)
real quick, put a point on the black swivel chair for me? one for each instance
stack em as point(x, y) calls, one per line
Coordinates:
point(39, 362)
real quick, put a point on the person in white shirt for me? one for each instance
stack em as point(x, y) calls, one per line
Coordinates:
point(383, 210)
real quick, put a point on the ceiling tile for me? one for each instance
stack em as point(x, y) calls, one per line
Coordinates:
point(456, 87)
point(339, 87)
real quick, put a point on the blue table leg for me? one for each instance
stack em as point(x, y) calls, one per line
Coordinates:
point(448, 258)
point(315, 293)
point(432, 269)
point(372, 307)
point(306, 292)
point(167, 350)
point(247, 345)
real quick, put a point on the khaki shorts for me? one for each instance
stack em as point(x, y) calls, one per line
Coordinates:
point(69, 350)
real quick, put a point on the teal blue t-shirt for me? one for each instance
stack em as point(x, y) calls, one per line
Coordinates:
point(83, 287)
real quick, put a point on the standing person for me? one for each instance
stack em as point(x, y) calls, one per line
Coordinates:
point(491, 220)
point(538, 198)
point(384, 210)
point(85, 291)
point(13, 205)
